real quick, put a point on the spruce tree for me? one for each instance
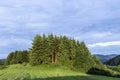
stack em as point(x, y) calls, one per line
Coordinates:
point(9, 58)
point(83, 59)
point(45, 49)
point(98, 63)
point(36, 53)
point(51, 48)
point(17, 57)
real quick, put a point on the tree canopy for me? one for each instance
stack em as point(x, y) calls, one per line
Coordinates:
point(61, 50)
point(17, 57)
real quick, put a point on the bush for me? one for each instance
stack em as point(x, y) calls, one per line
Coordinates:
point(114, 68)
point(117, 75)
point(105, 72)
point(98, 71)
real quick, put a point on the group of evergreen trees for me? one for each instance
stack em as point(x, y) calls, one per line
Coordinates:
point(52, 49)
point(59, 50)
point(62, 50)
point(17, 57)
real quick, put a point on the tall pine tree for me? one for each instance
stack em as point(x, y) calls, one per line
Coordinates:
point(36, 53)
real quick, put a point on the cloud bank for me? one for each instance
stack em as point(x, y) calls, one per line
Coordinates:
point(92, 21)
point(105, 44)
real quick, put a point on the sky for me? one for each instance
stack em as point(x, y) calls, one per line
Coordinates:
point(96, 22)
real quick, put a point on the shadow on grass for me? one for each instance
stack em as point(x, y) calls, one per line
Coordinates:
point(67, 78)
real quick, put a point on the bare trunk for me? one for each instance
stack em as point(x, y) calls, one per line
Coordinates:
point(52, 58)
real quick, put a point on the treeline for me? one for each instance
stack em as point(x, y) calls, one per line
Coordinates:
point(58, 50)
point(17, 57)
point(61, 50)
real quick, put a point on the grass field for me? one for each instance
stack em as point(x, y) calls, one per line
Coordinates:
point(45, 72)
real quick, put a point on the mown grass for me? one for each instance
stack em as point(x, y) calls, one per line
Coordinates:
point(46, 72)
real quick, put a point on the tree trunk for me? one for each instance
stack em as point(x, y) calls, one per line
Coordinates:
point(52, 57)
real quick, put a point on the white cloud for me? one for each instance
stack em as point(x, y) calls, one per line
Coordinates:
point(94, 35)
point(5, 42)
point(105, 44)
point(36, 25)
point(101, 34)
point(3, 56)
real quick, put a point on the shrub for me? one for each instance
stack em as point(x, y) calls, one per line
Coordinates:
point(98, 71)
point(115, 68)
point(105, 72)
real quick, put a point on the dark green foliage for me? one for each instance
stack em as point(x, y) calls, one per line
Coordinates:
point(36, 53)
point(105, 72)
point(98, 63)
point(9, 58)
point(115, 68)
point(98, 71)
point(52, 49)
point(17, 57)
point(62, 51)
point(114, 61)
point(83, 59)
point(39, 51)
point(56, 50)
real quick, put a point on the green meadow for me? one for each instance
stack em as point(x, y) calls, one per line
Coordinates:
point(46, 72)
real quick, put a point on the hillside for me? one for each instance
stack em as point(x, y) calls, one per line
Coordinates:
point(53, 57)
point(52, 49)
point(46, 72)
point(114, 61)
point(104, 58)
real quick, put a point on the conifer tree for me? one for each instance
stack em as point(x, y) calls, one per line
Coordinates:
point(17, 57)
point(9, 58)
point(36, 53)
point(83, 59)
point(45, 49)
point(98, 63)
point(61, 50)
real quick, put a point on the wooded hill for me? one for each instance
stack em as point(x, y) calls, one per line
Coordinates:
point(58, 50)
point(105, 58)
point(114, 61)
point(17, 57)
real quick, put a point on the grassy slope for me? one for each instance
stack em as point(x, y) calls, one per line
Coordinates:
point(44, 72)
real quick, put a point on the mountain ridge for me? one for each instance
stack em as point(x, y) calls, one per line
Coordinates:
point(104, 58)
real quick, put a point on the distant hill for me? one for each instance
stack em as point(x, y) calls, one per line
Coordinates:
point(105, 58)
point(114, 61)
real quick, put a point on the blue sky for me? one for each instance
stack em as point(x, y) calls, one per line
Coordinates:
point(97, 22)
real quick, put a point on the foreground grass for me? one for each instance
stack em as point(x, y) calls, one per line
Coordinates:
point(46, 72)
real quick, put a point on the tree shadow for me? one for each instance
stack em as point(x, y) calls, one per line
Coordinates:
point(66, 78)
